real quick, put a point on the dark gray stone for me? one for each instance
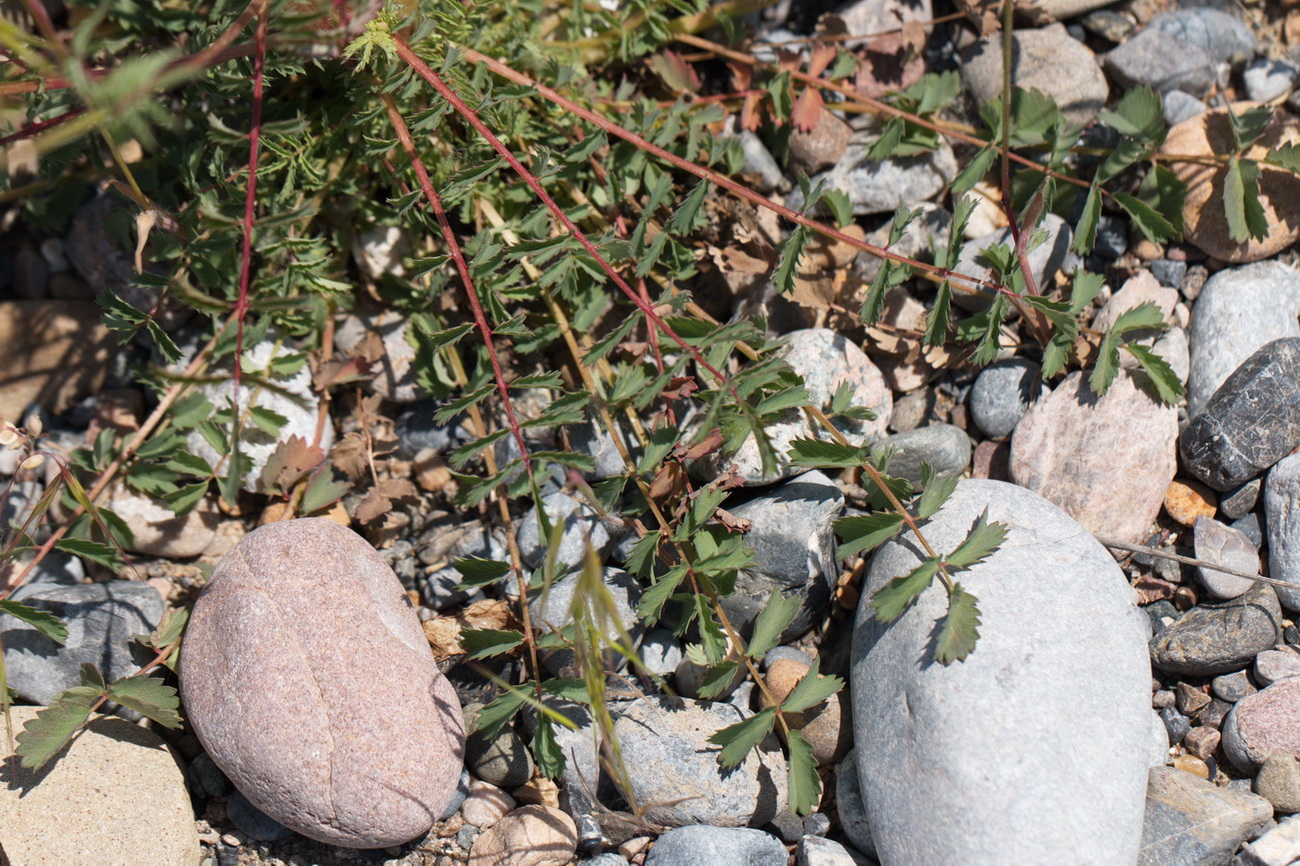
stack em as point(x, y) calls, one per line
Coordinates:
point(794, 546)
point(817, 824)
point(101, 619)
point(1220, 638)
point(1251, 526)
point(206, 778)
point(702, 845)
point(1232, 687)
point(417, 430)
point(1214, 713)
point(1192, 822)
point(1282, 509)
point(596, 441)
point(502, 760)
point(253, 821)
point(462, 791)
point(945, 447)
point(787, 826)
point(1176, 724)
point(1250, 423)
point(1169, 272)
point(1237, 503)
point(1002, 394)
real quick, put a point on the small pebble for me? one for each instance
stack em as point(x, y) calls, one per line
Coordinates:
point(1192, 764)
point(1191, 699)
point(486, 805)
point(1272, 666)
point(1278, 781)
point(1201, 741)
point(1176, 724)
point(1233, 687)
point(1185, 500)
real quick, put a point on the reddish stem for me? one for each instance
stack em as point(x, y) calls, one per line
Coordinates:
point(34, 129)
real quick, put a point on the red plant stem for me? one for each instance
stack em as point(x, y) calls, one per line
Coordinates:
point(453, 247)
point(58, 82)
point(35, 129)
point(713, 177)
point(250, 204)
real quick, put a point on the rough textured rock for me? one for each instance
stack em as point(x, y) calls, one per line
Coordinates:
point(1266, 723)
point(819, 851)
point(1273, 666)
point(880, 186)
point(1159, 60)
point(331, 718)
point(945, 447)
point(385, 340)
point(1047, 59)
point(158, 531)
point(1220, 638)
point(531, 836)
point(1251, 422)
point(116, 795)
point(55, 353)
point(1003, 393)
point(826, 728)
point(1045, 260)
point(1238, 311)
point(582, 526)
point(1191, 822)
point(1223, 36)
point(552, 609)
point(1278, 781)
point(101, 619)
point(1105, 461)
point(674, 769)
point(1279, 846)
point(1282, 508)
point(794, 546)
point(1224, 545)
point(701, 845)
point(1012, 789)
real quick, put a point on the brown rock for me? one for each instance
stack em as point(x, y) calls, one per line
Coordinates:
point(1187, 500)
point(1192, 764)
point(822, 146)
point(531, 836)
point(307, 678)
point(55, 353)
point(1104, 460)
point(538, 792)
point(1201, 741)
point(1210, 134)
point(485, 804)
point(823, 727)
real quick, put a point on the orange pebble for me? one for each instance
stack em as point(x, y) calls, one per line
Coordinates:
point(1187, 500)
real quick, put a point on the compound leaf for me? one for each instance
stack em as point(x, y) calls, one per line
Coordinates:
point(959, 630)
point(737, 740)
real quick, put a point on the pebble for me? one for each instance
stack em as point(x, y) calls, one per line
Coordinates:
point(1214, 714)
point(1159, 741)
point(1170, 272)
point(1239, 311)
point(1066, 449)
point(1176, 724)
point(485, 805)
point(759, 161)
point(701, 845)
point(1159, 60)
point(1192, 764)
point(910, 411)
point(156, 530)
point(385, 339)
point(1002, 393)
point(674, 772)
point(380, 250)
point(1279, 846)
point(551, 610)
point(820, 851)
point(1048, 59)
point(661, 651)
point(1201, 741)
point(358, 738)
point(1266, 723)
point(462, 791)
point(528, 836)
point(1191, 822)
point(253, 822)
point(582, 526)
point(503, 761)
point(1191, 699)
point(826, 728)
point(440, 545)
point(1045, 260)
point(817, 824)
point(1002, 780)
point(591, 438)
point(417, 430)
point(946, 448)
point(928, 231)
point(101, 620)
point(1282, 510)
point(1186, 501)
point(870, 17)
point(1224, 37)
point(852, 809)
point(1278, 781)
point(1235, 504)
point(1223, 545)
point(1267, 79)
point(1180, 106)
point(1220, 638)
point(1250, 423)
point(1272, 666)
point(606, 859)
point(819, 148)
point(1233, 687)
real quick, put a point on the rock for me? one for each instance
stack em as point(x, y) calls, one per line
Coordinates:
point(820, 851)
point(292, 399)
point(1159, 60)
point(1176, 724)
point(253, 822)
point(417, 430)
point(458, 798)
point(674, 771)
point(1188, 501)
point(1267, 80)
point(1250, 423)
point(1066, 450)
point(661, 651)
point(787, 653)
point(331, 718)
point(441, 545)
point(1226, 546)
point(1220, 638)
point(1264, 724)
point(1002, 394)
point(582, 526)
point(1272, 666)
point(385, 340)
point(794, 548)
point(946, 448)
point(101, 619)
point(1007, 779)
point(551, 609)
point(928, 231)
point(608, 858)
point(1159, 741)
point(871, 17)
point(503, 761)
point(1142, 288)
point(1045, 260)
point(1282, 508)
point(701, 845)
point(822, 146)
point(381, 250)
point(1206, 224)
point(854, 820)
point(1180, 106)
point(1239, 502)
point(817, 824)
point(1280, 846)
point(1239, 311)
point(116, 794)
point(596, 441)
point(1232, 687)
point(485, 805)
point(1048, 60)
point(55, 353)
point(1169, 272)
point(1224, 37)
point(1278, 781)
point(759, 162)
point(1191, 822)
point(825, 728)
point(881, 186)
point(530, 836)
point(1201, 741)
point(824, 360)
point(158, 531)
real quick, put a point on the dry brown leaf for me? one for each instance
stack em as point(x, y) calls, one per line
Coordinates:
point(1150, 588)
point(291, 460)
point(349, 455)
point(710, 443)
point(668, 480)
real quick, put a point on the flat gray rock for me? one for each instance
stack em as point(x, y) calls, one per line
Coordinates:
point(552, 610)
point(1238, 311)
point(1225, 546)
point(1223, 36)
point(944, 447)
point(1046, 59)
point(1163, 62)
point(1104, 460)
point(976, 762)
point(1192, 822)
point(582, 527)
point(1220, 638)
point(309, 681)
point(1282, 510)
point(701, 845)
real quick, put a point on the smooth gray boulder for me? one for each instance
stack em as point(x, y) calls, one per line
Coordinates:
point(981, 761)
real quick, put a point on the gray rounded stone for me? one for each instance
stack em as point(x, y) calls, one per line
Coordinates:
point(1267, 79)
point(1002, 394)
point(253, 822)
point(332, 718)
point(852, 808)
point(1012, 788)
point(945, 447)
point(1278, 781)
point(550, 609)
point(1273, 666)
point(700, 845)
point(1224, 37)
point(661, 651)
point(1045, 260)
point(582, 527)
point(503, 760)
point(1223, 545)
point(1220, 638)
point(1282, 510)
point(1046, 59)
point(1232, 687)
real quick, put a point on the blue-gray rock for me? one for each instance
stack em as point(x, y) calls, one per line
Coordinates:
point(1232, 687)
point(1046, 59)
point(1251, 526)
point(1238, 311)
point(1002, 393)
point(794, 547)
point(1228, 547)
point(775, 654)
point(1234, 504)
point(1224, 37)
point(503, 760)
point(1179, 106)
point(206, 778)
point(786, 826)
point(609, 858)
point(760, 162)
point(1169, 272)
point(945, 784)
point(582, 526)
point(817, 824)
point(854, 820)
point(1176, 724)
point(253, 821)
point(551, 610)
point(945, 447)
point(1282, 510)
point(1220, 638)
point(101, 619)
point(1267, 79)
point(593, 439)
point(439, 546)
point(462, 791)
point(1159, 60)
point(1192, 822)
point(674, 772)
point(701, 845)
point(661, 651)
point(417, 430)
point(820, 851)
point(1045, 260)
point(1250, 423)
